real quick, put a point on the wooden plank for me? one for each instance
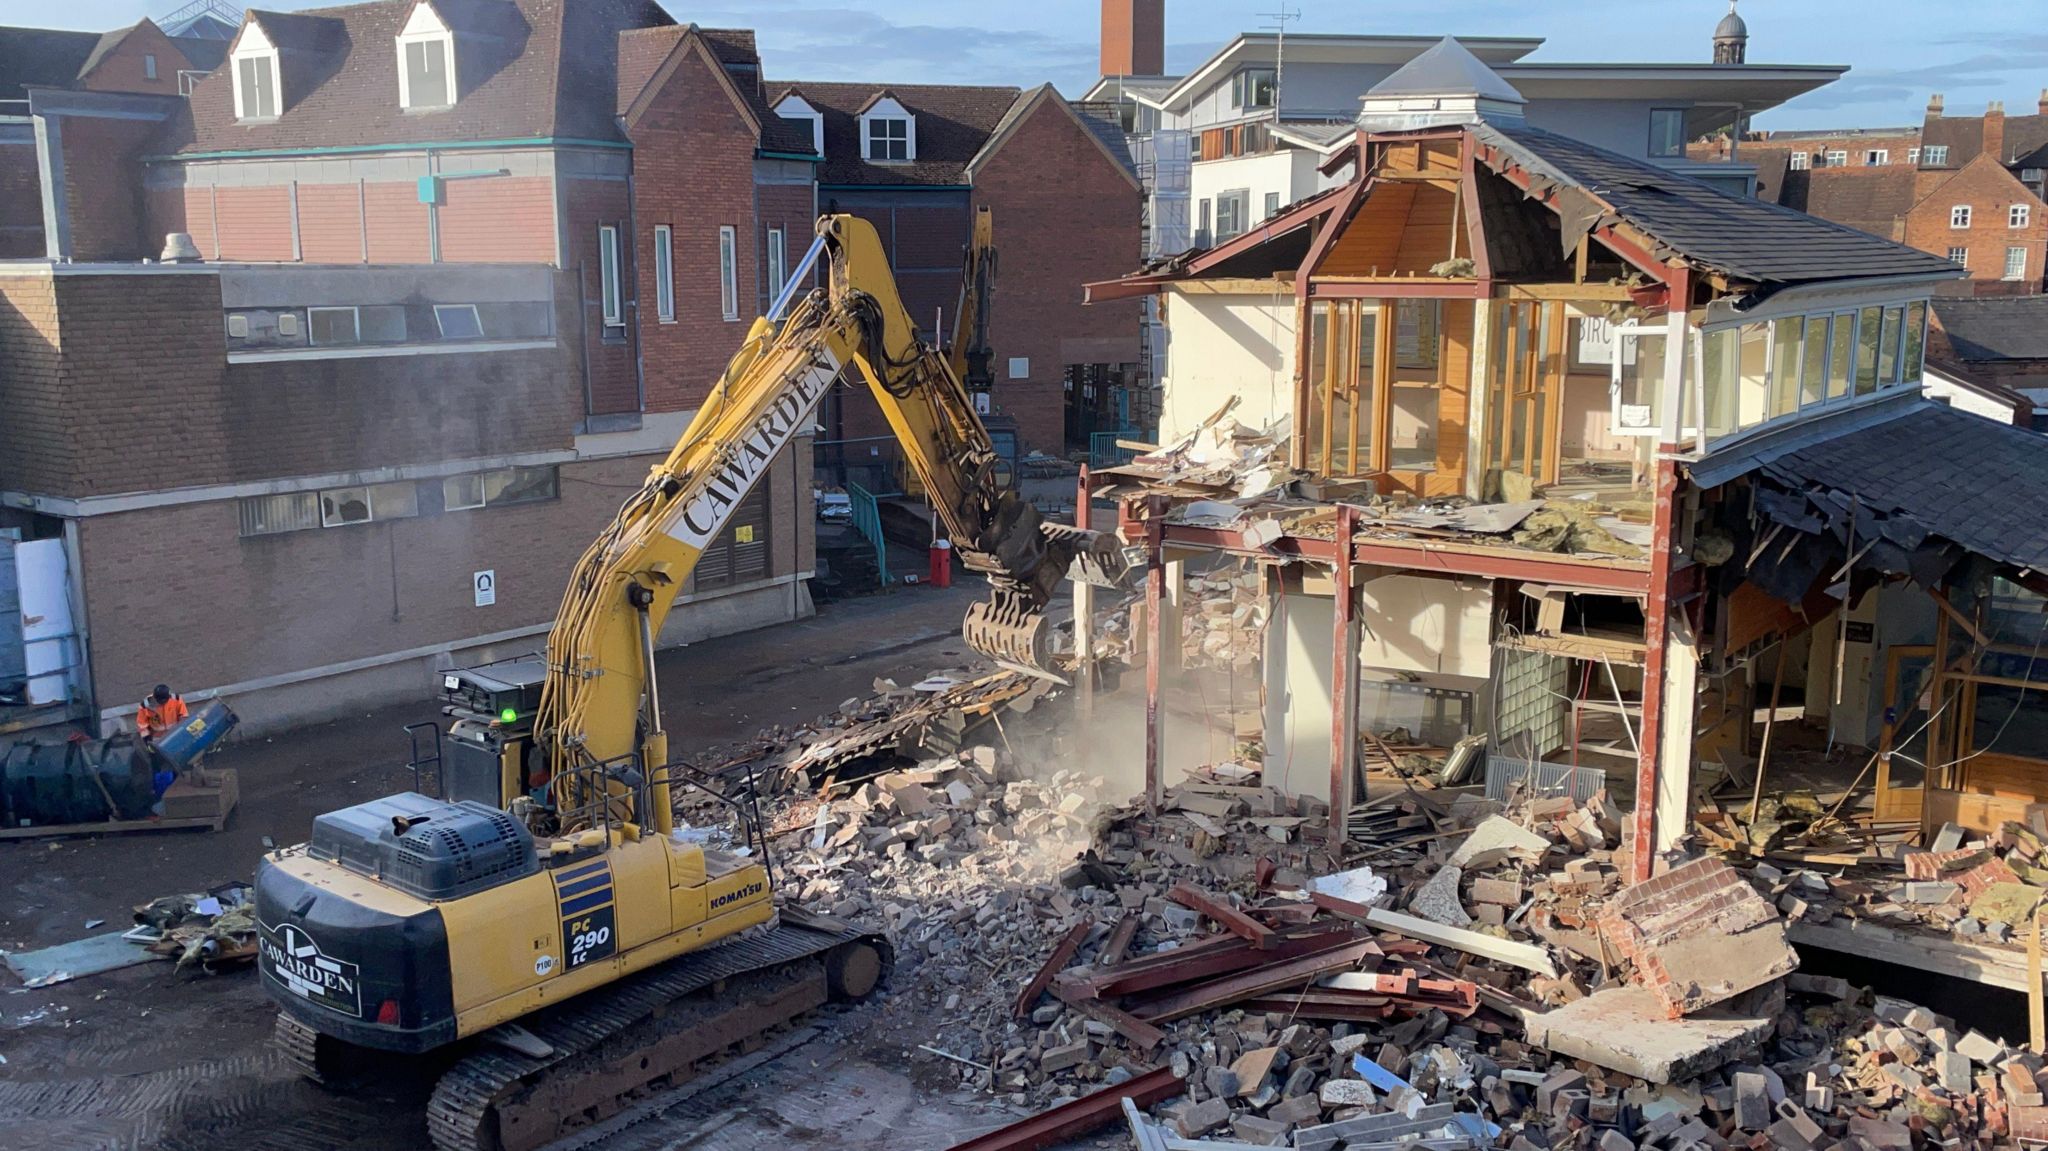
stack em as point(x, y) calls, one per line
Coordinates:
point(1978, 963)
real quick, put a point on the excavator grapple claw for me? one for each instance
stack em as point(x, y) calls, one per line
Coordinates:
point(1007, 630)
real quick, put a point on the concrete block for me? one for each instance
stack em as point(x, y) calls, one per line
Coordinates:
point(1498, 832)
point(1612, 1140)
point(1949, 838)
point(1260, 1132)
point(1796, 1117)
point(1752, 1101)
point(1827, 985)
point(1061, 1058)
point(1347, 1093)
point(1300, 1109)
point(1880, 1135)
point(1922, 1020)
point(1437, 899)
point(1202, 1118)
point(1626, 1029)
point(1547, 1091)
point(1952, 1069)
point(1504, 892)
point(1930, 891)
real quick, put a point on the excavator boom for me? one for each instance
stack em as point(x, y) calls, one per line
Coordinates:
point(599, 704)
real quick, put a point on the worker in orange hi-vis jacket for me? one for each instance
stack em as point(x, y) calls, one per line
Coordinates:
point(158, 713)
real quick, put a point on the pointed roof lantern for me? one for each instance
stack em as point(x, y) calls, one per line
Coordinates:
point(1445, 85)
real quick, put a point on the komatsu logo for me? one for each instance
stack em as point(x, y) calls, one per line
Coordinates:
point(291, 957)
point(699, 520)
point(732, 897)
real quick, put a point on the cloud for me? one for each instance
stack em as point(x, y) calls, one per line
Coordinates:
point(819, 42)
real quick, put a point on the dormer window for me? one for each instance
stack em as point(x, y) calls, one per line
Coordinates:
point(795, 107)
point(256, 79)
point(888, 132)
point(426, 61)
point(1252, 88)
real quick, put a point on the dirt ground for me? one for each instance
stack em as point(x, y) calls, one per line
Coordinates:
point(150, 1058)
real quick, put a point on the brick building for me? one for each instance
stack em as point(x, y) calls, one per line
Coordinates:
point(916, 160)
point(1968, 188)
point(464, 272)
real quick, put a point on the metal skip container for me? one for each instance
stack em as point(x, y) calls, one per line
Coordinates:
point(199, 734)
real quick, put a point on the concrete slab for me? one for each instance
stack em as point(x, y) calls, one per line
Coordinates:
point(1497, 832)
point(1625, 1029)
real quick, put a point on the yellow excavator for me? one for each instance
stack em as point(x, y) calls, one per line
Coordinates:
point(541, 933)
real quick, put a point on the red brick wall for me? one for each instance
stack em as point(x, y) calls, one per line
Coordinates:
point(37, 454)
point(587, 204)
point(1898, 148)
point(1990, 191)
point(21, 198)
point(788, 207)
point(124, 69)
point(331, 223)
point(255, 223)
point(186, 209)
point(1064, 215)
point(103, 187)
point(498, 219)
point(693, 169)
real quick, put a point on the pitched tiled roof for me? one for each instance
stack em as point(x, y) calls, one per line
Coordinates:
point(1739, 236)
point(1995, 327)
point(1101, 120)
point(2026, 138)
point(953, 122)
point(204, 53)
point(41, 57)
point(526, 69)
point(643, 50)
point(1932, 471)
point(1868, 199)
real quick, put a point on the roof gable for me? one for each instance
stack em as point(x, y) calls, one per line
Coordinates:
point(1021, 111)
point(689, 42)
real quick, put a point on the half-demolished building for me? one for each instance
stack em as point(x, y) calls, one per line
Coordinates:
point(1582, 473)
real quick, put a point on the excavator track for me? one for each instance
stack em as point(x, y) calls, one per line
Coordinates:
point(648, 1032)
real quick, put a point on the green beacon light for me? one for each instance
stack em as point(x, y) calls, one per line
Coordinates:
point(508, 715)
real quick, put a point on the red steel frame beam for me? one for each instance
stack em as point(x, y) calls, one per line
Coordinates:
point(1088, 1113)
point(1229, 918)
point(1341, 676)
point(1656, 635)
point(1062, 954)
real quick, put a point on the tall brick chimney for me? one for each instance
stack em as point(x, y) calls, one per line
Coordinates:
point(2041, 105)
point(1934, 106)
point(1133, 37)
point(1994, 130)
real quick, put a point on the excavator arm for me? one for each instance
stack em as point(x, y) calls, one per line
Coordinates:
point(600, 704)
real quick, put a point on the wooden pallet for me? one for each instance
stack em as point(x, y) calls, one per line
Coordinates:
point(189, 805)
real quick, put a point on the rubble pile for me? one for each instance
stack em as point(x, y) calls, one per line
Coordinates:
point(1224, 621)
point(1984, 889)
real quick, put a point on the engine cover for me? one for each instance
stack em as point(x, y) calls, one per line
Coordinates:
point(427, 848)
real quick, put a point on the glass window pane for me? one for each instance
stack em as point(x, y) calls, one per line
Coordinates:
point(1867, 324)
point(1641, 396)
point(1751, 380)
point(340, 506)
point(1813, 374)
point(1785, 372)
point(1365, 413)
point(288, 512)
point(1888, 347)
point(1318, 385)
point(1718, 362)
point(1916, 330)
point(1415, 333)
point(462, 492)
point(608, 273)
point(394, 501)
point(728, 274)
point(426, 74)
point(1840, 348)
point(1343, 333)
point(332, 325)
point(381, 324)
point(458, 321)
point(664, 273)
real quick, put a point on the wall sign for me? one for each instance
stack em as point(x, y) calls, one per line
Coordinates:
point(485, 584)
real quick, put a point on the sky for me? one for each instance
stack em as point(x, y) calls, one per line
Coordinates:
point(1898, 50)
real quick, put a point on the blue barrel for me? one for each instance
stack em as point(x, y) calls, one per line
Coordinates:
point(198, 734)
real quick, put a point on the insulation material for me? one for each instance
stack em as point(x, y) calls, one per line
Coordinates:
point(1424, 624)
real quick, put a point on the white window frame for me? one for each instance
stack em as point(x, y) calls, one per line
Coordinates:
point(254, 46)
point(795, 107)
point(1913, 154)
point(466, 504)
point(2019, 215)
point(370, 494)
point(1838, 158)
point(611, 301)
point(425, 27)
point(729, 272)
point(2012, 273)
point(1959, 217)
point(1799, 161)
point(1963, 253)
point(355, 319)
point(1876, 157)
point(441, 328)
point(778, 263)
point(664, 274)
point(888, 110)
point(1936, 154)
